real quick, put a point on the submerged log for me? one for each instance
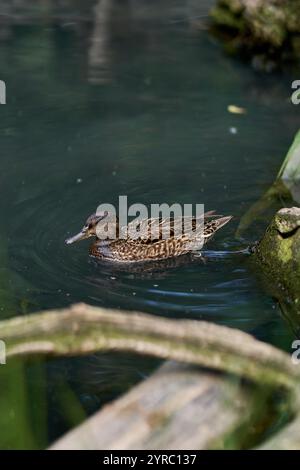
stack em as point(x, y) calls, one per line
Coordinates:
point(154, 413)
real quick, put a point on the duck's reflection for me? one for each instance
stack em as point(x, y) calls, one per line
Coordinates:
point(148, 269)
point(99, 52)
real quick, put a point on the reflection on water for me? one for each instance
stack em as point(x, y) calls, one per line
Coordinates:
point(111, 98)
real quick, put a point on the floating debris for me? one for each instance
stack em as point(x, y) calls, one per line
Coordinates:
point(236, 109)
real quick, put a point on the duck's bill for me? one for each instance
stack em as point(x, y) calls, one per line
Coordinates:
point(76, 238)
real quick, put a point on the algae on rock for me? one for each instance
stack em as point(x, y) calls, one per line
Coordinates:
point(261, 25)
point(278, 254)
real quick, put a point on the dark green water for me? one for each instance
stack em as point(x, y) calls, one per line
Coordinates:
point(147, 118)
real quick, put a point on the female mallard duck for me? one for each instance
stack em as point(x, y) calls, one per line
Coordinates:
point(147, 248)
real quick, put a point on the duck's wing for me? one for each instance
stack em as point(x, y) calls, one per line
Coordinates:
point(211, 214)
point(150, 230)
point(155, 229)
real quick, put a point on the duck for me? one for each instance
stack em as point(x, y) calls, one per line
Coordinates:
point(146, 247)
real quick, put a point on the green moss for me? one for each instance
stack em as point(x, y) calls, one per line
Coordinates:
point(278, 257)
point(224, 17)
point(285, 251)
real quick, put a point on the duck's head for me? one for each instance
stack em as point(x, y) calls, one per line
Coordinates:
point(89, 228)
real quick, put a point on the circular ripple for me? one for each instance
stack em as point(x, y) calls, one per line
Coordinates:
point(213, 288)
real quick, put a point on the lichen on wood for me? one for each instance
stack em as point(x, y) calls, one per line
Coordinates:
point(83, 329)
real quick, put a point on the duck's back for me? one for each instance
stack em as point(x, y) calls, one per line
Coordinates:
point(159, 239)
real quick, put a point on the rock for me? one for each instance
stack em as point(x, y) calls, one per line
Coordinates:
point(278, 254)
point(268, 26)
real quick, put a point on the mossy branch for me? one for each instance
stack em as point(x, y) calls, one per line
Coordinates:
point(83, 329)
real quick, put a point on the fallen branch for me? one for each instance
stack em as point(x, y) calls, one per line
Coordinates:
point(83, 329)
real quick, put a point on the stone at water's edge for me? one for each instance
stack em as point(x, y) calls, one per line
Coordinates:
point(261, 25)
point(278, 255)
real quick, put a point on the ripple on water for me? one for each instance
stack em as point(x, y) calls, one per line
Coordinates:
point(213, 288)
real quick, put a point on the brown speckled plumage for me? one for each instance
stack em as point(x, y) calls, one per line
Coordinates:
point(147, 248)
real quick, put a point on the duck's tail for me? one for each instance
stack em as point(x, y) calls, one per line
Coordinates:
point(214, 225)
point(223, 221)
